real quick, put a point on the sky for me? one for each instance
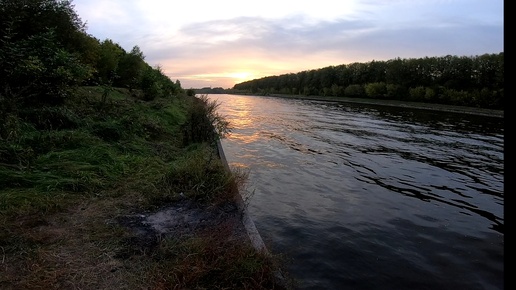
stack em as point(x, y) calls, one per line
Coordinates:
point(224, 42)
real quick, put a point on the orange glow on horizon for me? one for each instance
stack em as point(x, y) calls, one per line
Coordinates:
point(224, 79)
point(242, 76)
point(239, 68)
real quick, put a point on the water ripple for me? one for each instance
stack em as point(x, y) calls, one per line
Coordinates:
point(369, 197)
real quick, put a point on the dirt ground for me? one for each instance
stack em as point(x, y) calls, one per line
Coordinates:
point(183, 219)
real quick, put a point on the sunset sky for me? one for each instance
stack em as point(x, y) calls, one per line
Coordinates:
point(224, 42)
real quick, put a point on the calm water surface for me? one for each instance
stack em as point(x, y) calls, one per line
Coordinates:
point(371, 197)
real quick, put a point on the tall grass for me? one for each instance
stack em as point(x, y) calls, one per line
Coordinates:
point(68, 173)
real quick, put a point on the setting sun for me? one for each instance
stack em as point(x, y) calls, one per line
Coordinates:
point(241, 76)
point(225, 79)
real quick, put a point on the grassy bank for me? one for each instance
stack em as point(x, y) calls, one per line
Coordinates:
point(82, 185)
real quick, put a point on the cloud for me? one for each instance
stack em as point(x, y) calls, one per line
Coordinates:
point(217, 40)
point(276, 45)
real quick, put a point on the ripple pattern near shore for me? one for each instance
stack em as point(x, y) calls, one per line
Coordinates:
point(366, 196)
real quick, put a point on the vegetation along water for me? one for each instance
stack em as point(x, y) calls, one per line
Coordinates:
point(110, 178)
point(109, 173)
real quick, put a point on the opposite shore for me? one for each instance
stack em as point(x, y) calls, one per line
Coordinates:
point(402, 104)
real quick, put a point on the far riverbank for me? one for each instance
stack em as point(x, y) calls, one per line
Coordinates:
point(396, 103)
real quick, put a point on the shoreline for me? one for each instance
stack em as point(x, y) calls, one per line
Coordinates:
point(401, 104)
point(252, 232)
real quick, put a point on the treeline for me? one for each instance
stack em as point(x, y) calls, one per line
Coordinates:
point(45, 53)
point(476, 81)
point(209, 90)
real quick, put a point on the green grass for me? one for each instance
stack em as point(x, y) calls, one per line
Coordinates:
point(68, 173)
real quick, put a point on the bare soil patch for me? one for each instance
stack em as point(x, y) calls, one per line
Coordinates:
point(182, 220)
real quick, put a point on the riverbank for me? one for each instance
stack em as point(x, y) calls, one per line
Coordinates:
point(402, 104)
point(110, 191)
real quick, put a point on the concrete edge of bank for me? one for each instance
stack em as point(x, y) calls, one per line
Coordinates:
point(250, 227)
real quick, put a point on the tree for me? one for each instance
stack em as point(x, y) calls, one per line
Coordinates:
point(32, 17)
point(130, 68)
point(39, 51)
point(37, 71)
point(471, 81)
point(110, 54)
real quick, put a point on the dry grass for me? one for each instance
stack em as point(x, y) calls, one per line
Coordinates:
point(73, 249)
point(84, 247)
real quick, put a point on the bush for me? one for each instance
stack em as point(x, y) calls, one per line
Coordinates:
point(417, 94)
point(458, 98)
point(376, 90)
point(37, 71)
point(203, 123)
point(354, 91)
point(190, 92)
point(396, 92)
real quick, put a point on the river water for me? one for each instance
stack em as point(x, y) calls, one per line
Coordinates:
point(372, 197)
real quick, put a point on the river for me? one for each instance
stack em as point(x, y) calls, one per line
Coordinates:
point(357, 196)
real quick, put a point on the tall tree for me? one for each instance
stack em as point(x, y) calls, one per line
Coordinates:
point(37, 59)
point(110, 54)
point(32, 17)
point(130, 68)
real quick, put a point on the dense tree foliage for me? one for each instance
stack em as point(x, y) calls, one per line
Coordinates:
point(45, 54)
point(209, 90)
point(476, 81)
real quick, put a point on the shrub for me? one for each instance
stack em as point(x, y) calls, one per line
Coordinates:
point(354, 91)
point(203, 123)
point(37, 71)
point(376, 90)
